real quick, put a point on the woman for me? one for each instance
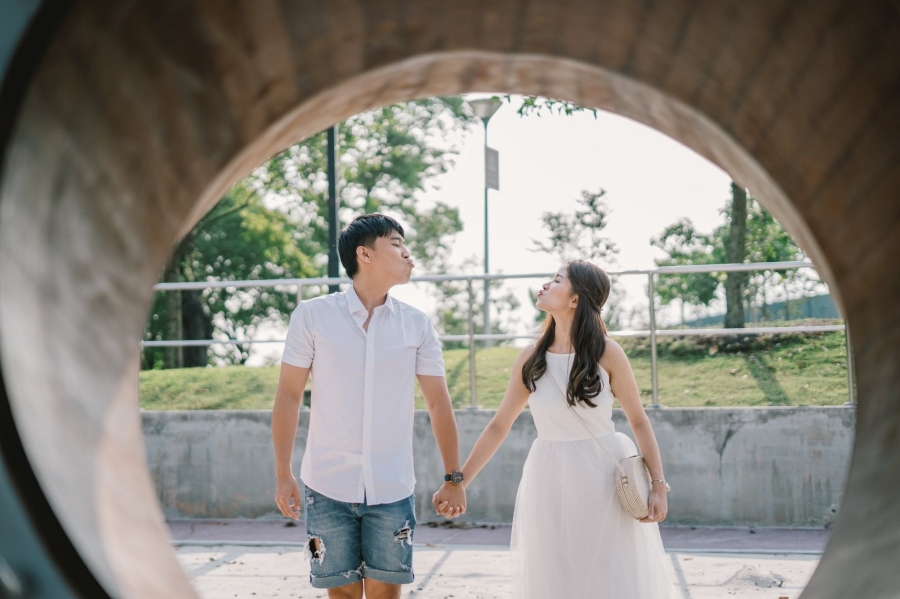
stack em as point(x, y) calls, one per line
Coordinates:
point(571, 537)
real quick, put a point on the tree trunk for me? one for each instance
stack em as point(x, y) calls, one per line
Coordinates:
point(174, 356)
point(736, 252)
point(197, 324)
point(787, 301)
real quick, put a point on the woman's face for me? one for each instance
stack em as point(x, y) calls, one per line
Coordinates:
point(556, 294)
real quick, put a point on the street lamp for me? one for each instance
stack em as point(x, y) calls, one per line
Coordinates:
point(485, 108)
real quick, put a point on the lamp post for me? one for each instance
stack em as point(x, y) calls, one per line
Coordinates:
point(334, 228)
point(485, 108)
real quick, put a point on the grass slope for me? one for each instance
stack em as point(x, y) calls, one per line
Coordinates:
point(790, 370)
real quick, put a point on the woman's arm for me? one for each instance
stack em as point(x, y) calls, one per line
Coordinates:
point(493, 435)
point(624, 387)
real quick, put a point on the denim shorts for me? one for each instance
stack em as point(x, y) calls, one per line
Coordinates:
point(347, 542)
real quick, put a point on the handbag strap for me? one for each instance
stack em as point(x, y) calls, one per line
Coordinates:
point(583, 423)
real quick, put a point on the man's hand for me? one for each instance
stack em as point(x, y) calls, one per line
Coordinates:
point(450, 501)
point(286, 490)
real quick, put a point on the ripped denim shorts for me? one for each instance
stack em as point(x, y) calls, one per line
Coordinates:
point(347, 542)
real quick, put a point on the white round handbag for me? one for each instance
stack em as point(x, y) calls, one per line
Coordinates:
point(633, 485)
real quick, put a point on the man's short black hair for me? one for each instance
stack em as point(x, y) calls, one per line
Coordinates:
point(364, 230)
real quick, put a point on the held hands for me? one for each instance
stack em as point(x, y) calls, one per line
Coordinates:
point(657, 504)
point(286, 490)
point(450, 501)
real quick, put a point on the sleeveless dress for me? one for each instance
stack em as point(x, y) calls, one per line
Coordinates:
point(571, 537)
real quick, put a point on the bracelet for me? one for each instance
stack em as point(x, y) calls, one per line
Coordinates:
point(659, 480)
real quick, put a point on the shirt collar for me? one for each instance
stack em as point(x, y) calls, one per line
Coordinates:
point(356, 307)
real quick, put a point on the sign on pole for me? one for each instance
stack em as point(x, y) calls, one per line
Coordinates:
point(492, 168)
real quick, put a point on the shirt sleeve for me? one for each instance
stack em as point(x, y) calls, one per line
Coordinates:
point(429, 356)
point(300, 347)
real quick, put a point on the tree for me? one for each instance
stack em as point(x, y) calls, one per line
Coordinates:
point(767, 241)
point(538, 105)
point(579, 235)
point(749, 234)
point(387, 156)
point(240, 239)
point(685, 246)
point(736, 244)
point(453, 299)
point(273, 224)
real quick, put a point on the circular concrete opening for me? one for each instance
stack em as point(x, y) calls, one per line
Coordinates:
point(140, 116)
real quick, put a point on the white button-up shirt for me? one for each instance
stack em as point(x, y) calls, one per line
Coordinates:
point(360, 442)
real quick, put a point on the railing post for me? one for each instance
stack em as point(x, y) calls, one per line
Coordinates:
point(651, 291)
point(140, 361)
point(473, 399)
point(299, 293)
point(851, 378)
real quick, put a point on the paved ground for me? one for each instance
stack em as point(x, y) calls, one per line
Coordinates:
point(453, 533)
point(265, 558)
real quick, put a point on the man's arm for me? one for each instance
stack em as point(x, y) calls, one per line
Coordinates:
point(450, 500)
point(285, 415)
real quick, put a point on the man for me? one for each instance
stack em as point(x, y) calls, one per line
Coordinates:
point(364, 348)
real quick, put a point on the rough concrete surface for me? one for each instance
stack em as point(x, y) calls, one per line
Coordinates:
point(784, 466)
point(266, 558)
point(481, 572)
point(675, 538)
point(127, 121)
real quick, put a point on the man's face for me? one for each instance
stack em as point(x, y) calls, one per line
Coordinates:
point(391, 261)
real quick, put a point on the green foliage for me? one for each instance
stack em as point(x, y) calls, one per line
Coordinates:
point(225, 388)
point(239, 239)
point(766, 241)
point(578, 235)
point(791, 370)
point(273, 224)
point(386, 157)
point(739, 343)
point(685, 246)
point(453, 300)
point(538, 105)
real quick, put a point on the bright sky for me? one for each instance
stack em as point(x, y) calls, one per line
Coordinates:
point(545, 163)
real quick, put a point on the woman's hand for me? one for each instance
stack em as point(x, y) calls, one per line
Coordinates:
point(658, 504)
point(450, 501)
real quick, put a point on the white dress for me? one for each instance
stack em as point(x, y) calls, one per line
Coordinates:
point(571, 537)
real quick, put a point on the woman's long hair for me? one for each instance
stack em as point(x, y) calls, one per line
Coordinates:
point(591, 284)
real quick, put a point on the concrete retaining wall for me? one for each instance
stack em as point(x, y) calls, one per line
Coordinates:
point(748, 466)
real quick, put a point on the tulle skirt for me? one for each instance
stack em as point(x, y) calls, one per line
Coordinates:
point(572, 538)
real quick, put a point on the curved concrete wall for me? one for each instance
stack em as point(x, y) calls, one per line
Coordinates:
point(140, 114)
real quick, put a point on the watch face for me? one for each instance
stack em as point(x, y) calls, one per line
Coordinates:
point(456, 478)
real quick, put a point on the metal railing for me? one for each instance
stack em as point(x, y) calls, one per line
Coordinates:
point(472, 338)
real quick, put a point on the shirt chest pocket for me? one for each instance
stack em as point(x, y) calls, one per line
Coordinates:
point(399, 347)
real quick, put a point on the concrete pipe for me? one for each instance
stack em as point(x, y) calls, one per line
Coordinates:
point(125, 122)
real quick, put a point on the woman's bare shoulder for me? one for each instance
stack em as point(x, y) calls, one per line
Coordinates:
point(526, 353)
point(613, 356)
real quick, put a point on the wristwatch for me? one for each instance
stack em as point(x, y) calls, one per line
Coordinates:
point(455, 477)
